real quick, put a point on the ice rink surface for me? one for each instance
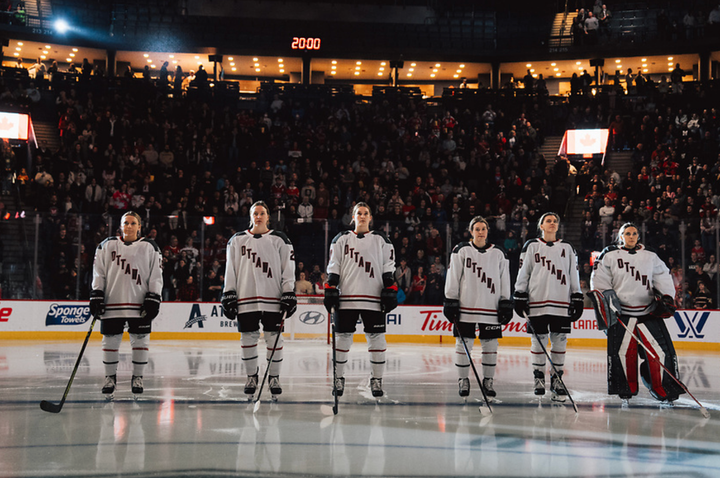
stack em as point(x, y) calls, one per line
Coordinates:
point(194, 419)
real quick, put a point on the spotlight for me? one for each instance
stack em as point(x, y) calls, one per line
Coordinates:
point(62, 26)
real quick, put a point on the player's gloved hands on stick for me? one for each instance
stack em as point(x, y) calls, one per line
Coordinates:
point(451, 309)
point(505, 311)
point(388, 298)
point(576, 306)
point(151, 306)
point(230, 304)
point(522, 304)
point(97, 302)
point(332, 298)
point(288, 303)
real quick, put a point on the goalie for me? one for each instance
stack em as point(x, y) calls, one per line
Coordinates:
point(633, 286)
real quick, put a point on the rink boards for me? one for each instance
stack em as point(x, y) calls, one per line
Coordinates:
point(202, 321)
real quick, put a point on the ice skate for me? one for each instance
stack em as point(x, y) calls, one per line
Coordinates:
point(137, 386)
point(559, 394)
point(376, 387)
point(464, 387)
point(275, 388)
point(625, 397)
point(109, 387)
point(339, 386)
point(488, 387)
point(539, 382)
point(251, 385)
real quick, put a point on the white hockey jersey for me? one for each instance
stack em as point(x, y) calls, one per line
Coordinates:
point(549, 274)
point(360, 260)
point(126, 271)
point(259, 268)
point(632, 274)
point(479, 278)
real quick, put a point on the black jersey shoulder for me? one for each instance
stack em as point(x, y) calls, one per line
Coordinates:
point(152, 243)
point(528, 243)
point(282, 236)
point(340, 234)
point(238, 234)
point(106, 241)
point(459, 246)
point(383, 235)
point(605, 251)
point(499, 249)
point(563, 241)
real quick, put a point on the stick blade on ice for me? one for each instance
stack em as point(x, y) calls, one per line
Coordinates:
point(50, 407)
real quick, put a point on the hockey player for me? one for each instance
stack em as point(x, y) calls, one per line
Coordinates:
point(547, 291)
point(636, 288)
point(126, 287)
point(477, 295)
point(260, 287)
point(361, 285)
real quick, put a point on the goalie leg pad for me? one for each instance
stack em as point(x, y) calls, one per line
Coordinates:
point(462, 363)
point(277, 359)
point(248, 344)
point(622, 350)
point(656, 337)
point(343, 342)
point(140, 350)
point(536, 349)
point(377, 346)
point(489, 357)
point(111, 353)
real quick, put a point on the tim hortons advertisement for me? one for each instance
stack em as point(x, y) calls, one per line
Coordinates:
point(311, 320)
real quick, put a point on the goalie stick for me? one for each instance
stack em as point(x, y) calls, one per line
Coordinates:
point(56, 407)
point(256, 407)
point(552, 364)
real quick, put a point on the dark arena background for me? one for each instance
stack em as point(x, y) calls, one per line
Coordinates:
point(432, 112)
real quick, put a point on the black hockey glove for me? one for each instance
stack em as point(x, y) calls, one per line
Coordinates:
point(451, 309)
point(522, 304)
point(288, 303)
point(332, 298)
point(230, 304)
point(388, 298)
point(97, 303)
point(151, 306)
point(576, 306)
point(505, 311)
point(664, 305)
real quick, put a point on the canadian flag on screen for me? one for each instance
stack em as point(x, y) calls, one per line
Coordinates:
point(586, 141)
point(14, 126)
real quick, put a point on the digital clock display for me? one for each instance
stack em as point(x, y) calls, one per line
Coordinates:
point(304, 43)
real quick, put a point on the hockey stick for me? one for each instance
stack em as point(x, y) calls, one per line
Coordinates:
point(557, 374)
point(325, 408)
point(55, 408)
point(272, 353)
point(472, 364)
point(652, 354)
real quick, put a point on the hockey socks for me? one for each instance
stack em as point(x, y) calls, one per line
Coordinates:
point(462, 362)
point(248, 344)
point(377, 347)
point(343, 343)
point(489, 357)
point(277, 357)
point(140, 350)
point(111, 353)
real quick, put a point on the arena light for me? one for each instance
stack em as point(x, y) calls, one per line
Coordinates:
point(62, 26)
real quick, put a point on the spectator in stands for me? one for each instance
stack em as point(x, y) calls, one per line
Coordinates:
point(303, 286)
